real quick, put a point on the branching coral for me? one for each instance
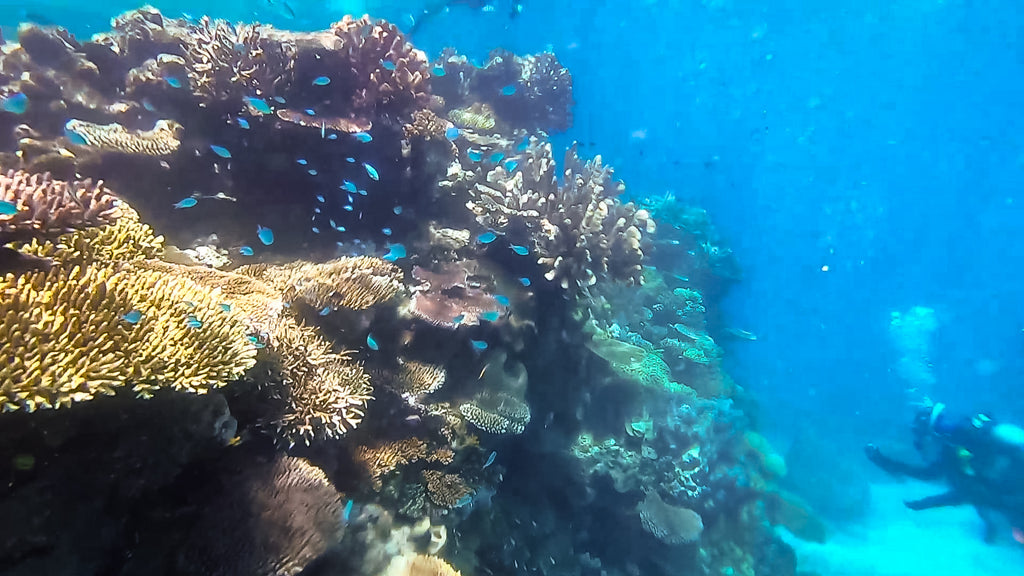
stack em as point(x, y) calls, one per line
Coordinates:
point(446, 490)
point(668, 523)
point(356, 283)
point(44, 207)
point(161, 140)
point(381, 458)
point(500, 407)
point(412, 379)
point(73, 333)
point(456, 294)
point(419, 565)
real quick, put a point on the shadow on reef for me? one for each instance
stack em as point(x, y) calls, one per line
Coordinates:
point(383, 331)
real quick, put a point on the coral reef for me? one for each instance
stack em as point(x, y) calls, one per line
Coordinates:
point(40, 207)
point(670, 524)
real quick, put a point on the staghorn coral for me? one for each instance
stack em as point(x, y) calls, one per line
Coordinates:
point(458, 293)
point(419, 565)
point(413, 379)
point(668, 523)
point(69, 335)
point(45, 207)
point(382, 458)
point(446, 490)
point(161, 140)
point(356, 283)
point(127, 238)
point(398, 88)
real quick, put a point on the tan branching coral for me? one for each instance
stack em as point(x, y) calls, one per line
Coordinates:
point(446, 490)
point(668, 523)
point(125, 239)
point(162, 140)
point(425, 124)
point(479, 117)
point(356, 282)
point(419, 565)
point(413, 379)
point(72, 333)
point(44, 207)
point(382, 458)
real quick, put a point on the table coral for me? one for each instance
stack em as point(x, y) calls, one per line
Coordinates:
point(668, 523)
point(161, 140)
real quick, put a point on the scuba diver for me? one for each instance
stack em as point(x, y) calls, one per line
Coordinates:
point(434, 8)
point(981, 459)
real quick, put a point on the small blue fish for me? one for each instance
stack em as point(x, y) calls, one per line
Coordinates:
point(320, 198)
point(524, 144)
point(266, 235)
point(242, 123)
point(346, 514)
point(256, 342)
point(478, 344)
point(490, 459)
point(388, 65)
point(452, 133)
point(279, 99)
point(464, 501)
point(350, 198)
point(386, 231)
point(316, 230)
point(372, 342)
point(259, 105)
point(397, 210)
point(490, 315)
point(193, 322)
point(132, 317)
point(361, 192)
point(521, 250)
point(371, 171)
point(397, 251)
point(246, 251)
point(336, 227)
point(503, 300)
point(7, 208)
point(321, 81)
point(525, 281)
point(363, 137)
point(310, 112)
point(487, 237)
point(508, 90)
point(332, 136)
point(439, 71)
point(348, 185)
point(173, 81)
point(458, 319)
point(316, 211)
point(347, 208)
point(325, 311)
point(74, 137)
point(475, 155)
point(148, 105)
point(220, 151)
point(497, 157)
point(312, 172)
point(185, 203)
point(350, 160)
point(225, 307)
point(511, 165)
point(302, 161)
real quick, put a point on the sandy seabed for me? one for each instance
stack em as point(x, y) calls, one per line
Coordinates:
point(894, 541)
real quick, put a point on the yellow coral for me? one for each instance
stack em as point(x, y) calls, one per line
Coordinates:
point(419, 565)
point(73, 332)
point(381, 458)
point(127, 238)
point(356, 283)
point(414, 379)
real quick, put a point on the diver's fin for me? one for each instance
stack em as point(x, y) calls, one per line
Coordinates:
point(951, 498)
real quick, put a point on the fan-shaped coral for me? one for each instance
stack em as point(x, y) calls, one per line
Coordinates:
point(668, 523)
point(355, 283)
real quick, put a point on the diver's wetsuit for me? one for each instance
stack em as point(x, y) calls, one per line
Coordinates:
point(982, 461)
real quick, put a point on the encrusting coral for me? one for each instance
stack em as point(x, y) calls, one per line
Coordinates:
point(500, 407)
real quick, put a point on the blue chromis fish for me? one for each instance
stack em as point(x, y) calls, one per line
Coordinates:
point(452, 133)
point(363, 137)
point(397, 210)
point(525, 281)
point(246, 251)
point(312, 172)
point(520, 250)
point(302, 161)
point(348, 185)
point(225, 306)
point(372, 342)
point(193, 322)
point(490, 315)
point(173, 81)
point(220, 151)
point(497, 157)
point(439, 71)
point(242, 123)
point(74, 137)
point(321, 81)
point(325, 311)
point(266, 235)
point(490, 459)
point(132, 317)
point(371, 171)
point(259, 105)
point(478, 344)
point(388, 64)
point(346, 514)
point(279, 99)
point(475, 155)
point(396, 251)
point(386, 231)
point(508, 90)
point(511, 165)
point(7, 208)
point(458, 319)
point(503, 300)
point(487, 237)
point(16, 103)
point(185, 203)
